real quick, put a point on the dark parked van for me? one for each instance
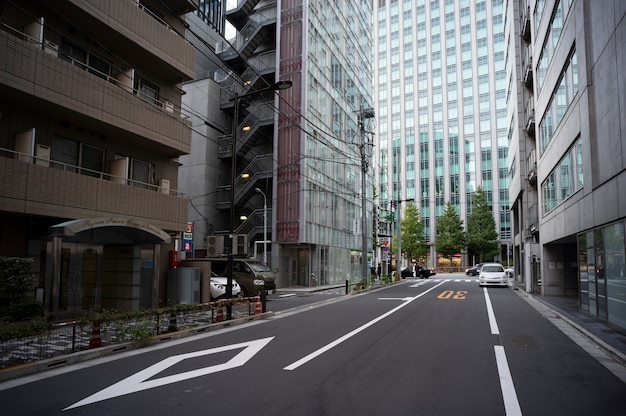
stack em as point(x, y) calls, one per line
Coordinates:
point(253, 276)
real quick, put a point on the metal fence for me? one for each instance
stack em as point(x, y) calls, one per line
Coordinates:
point(69, 337)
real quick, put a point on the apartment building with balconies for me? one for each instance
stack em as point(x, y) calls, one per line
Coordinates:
point(91, 130)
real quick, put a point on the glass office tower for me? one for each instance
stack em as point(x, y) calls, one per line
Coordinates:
point(441, 108)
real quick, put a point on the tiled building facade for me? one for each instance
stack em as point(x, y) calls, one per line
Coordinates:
point(90, 135)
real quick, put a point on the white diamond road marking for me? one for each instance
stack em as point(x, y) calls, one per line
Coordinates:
point(139, 381)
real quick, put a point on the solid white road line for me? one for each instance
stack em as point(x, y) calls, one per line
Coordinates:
point(492, 317)
point(509, 395)
point(349, 335)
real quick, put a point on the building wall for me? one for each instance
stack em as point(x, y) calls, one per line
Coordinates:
point(578, 97)
point(91, 127)
point(441, 108)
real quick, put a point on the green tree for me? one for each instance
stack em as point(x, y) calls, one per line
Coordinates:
point(482, 236)
point(412, 233)
point(450, 238)
point(15, 279)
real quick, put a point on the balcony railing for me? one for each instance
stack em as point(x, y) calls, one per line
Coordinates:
point(66, 167)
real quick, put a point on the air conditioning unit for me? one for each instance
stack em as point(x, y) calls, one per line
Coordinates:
point(240, 244)
point(215, 245)
point(50, 47)
point(169, 107)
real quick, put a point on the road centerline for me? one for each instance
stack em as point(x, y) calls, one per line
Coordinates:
point(349, 335)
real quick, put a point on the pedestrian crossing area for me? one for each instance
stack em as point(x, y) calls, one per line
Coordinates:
point(452, 280)
point(422, 282)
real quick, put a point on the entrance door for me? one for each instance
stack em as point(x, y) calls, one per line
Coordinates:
point(79, 280)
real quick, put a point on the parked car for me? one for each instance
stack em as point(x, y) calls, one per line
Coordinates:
point(421, 272)
point(406, 272)
point(218, 286)
point(493, 274)
point(253, 276)
point(425, 273)
point(510, 272)
point(474, 271)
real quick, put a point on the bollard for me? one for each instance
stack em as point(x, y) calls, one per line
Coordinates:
point(94, 340)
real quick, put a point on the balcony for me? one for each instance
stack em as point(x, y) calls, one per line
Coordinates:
point(136, 33)
point(68, 90)
point(31, 187)
point(532, 167)
point(530, 117)
point(533, 218)
point(525, 25)
point(528, 69)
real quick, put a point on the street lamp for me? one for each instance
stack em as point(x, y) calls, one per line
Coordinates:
point(264, 225)
point(280, 85)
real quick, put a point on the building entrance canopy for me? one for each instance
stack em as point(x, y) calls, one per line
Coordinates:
point(110, 230)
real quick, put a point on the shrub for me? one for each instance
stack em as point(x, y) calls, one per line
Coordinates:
point(23, 310)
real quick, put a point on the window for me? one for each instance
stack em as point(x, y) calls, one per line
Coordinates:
point(565, 179)
point(146, 91)
point(84, 59)
point(141, 173)
point(71, 154)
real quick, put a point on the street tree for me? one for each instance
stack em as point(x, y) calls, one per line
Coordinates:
point(482, 236)
point(450, 237)
point(412, 233)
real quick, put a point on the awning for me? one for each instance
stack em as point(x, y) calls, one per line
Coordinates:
point(111, 230)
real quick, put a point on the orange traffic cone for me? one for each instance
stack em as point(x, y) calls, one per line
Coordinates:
point(94, 339)
point(220, 315)
point(258, 309)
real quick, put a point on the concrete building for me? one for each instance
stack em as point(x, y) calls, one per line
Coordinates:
point(90, 136)
point(566, 76)
point(441, 108)
point(297, 150)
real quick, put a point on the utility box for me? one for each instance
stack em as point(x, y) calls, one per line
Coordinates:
point(183, 286)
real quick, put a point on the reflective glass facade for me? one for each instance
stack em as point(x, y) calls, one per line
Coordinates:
point(440, 99)
point(337, 86)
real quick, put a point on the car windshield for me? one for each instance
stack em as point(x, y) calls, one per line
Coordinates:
point(493, 268)
point(259, 267)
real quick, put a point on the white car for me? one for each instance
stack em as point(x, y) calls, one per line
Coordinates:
point(493, 274)
point(511, 272)
point(218, 286)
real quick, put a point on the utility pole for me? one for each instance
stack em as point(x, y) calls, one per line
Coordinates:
point(366, 153)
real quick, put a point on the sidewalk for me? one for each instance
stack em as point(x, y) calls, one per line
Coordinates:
point(611, 340)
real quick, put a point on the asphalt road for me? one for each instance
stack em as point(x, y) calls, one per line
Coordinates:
point(420, 347)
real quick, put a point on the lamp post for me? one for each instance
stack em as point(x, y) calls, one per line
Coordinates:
point(366, 153)
point(280, 85)
point(264, 225)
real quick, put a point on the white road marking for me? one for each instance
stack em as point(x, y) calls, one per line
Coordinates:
point(349, 335)
point(140, 381)
point(492, 317)
point(509, 395)
point(287, 295)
